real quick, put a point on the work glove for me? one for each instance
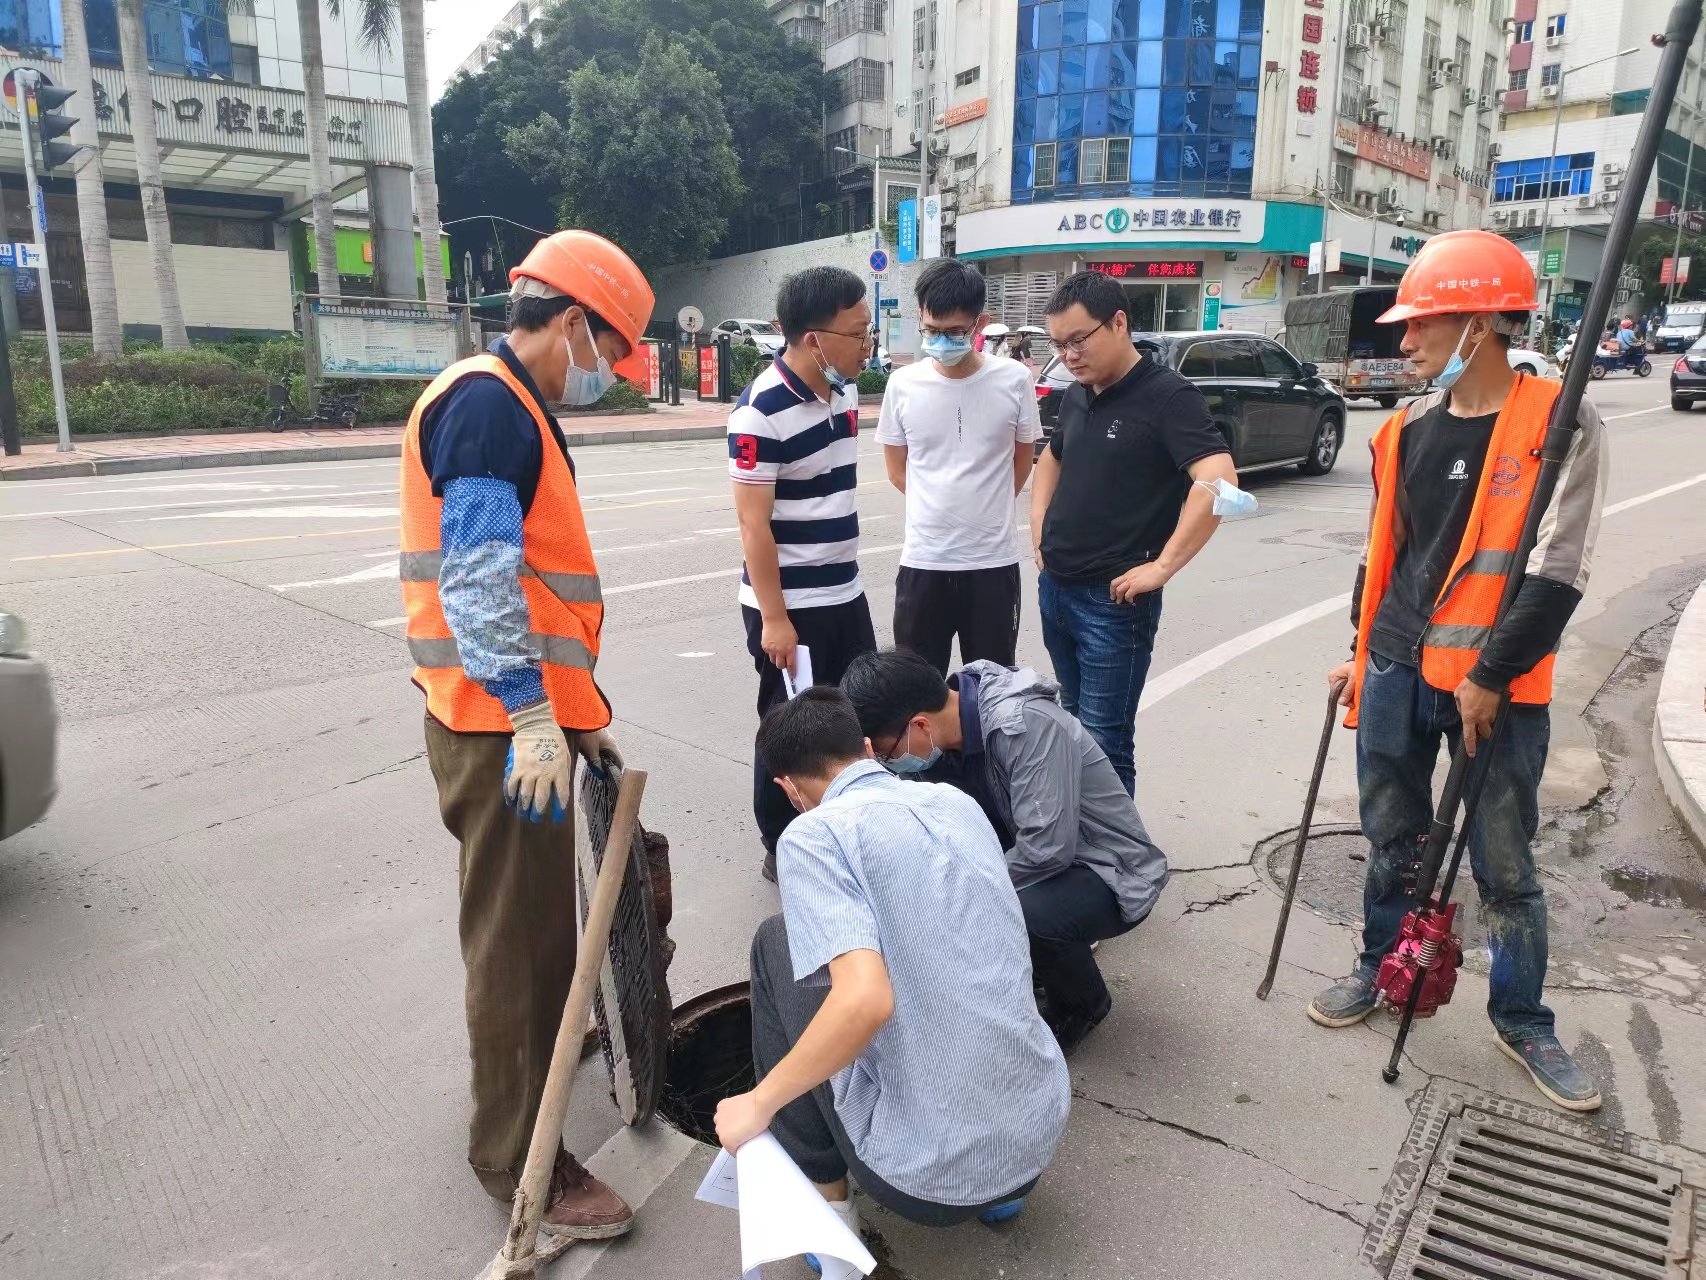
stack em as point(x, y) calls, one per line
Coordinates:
point(595, 746)
point(540, 771)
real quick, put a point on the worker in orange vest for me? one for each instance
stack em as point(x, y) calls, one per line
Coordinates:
point(1453, 475)
point(504, 618)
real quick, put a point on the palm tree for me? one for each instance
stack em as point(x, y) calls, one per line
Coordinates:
point(319, 148)
point(133, 52)
point(419, 93)
point(91, 191)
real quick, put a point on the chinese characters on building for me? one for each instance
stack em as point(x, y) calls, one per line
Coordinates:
point(231, 115)
point(1200, 217)
point(1309, 62)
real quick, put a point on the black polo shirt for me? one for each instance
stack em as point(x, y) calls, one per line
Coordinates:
point(1122, 458)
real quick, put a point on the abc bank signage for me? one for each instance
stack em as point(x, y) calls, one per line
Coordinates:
point(1078, 224)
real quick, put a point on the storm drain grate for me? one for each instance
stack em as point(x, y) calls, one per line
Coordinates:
point(1493, 1189)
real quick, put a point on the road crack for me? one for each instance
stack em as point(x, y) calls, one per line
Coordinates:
point(1199, 905)
point(1336, 1211)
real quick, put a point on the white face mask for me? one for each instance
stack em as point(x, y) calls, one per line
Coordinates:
point(1229, 499)
point(586, 386)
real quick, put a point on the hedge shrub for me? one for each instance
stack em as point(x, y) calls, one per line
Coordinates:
point(873, 382)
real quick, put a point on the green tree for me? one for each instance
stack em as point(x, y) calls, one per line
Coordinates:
point(1649, 254)
point(646, 157)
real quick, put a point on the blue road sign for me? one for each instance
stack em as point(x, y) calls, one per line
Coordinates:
point(908, 222)
point(879, 262)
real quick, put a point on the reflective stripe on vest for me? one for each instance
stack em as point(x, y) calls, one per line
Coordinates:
point(1467, 607)
point(559, 580)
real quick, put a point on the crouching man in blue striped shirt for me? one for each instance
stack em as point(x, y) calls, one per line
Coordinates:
point(893, 1028)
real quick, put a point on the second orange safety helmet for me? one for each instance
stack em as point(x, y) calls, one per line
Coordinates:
point(1465, 271)
point(595, 272)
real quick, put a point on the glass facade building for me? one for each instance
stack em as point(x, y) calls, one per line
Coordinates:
point(185, 37)
point(1136, 98)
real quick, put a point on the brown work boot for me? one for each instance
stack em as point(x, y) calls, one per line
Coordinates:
point(581, 1207)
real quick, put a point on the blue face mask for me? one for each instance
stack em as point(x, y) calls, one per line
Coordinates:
point(945, 350)
point(586, 386)
point(1229, 499)
point(901, 766)
point(837, 380)
point(1455, 366)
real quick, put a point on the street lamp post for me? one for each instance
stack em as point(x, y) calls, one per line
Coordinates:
point(876, 243)
point(1374, 243)
point(1681, 217)
point(1541, 318)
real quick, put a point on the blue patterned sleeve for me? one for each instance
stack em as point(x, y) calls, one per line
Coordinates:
point(480, 589)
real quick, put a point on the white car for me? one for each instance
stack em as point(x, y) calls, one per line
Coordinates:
point(757, 333)
point(1532, 362)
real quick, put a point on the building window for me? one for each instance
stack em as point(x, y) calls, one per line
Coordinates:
point(1489, 76)
point(896, 194)
point(918, 111)
point(1483, 143)
point(1397, 18)
point(1519, 80)
point(844, 18)
point(965, 164)
point(1543, 178)
point(1524, 33)
point(1042, 165)
point(860, 80)
point(1119, 160)
point(1460, 72)
point(1343, 175)
point(1549, 73)
point(842, 144)
point(245, 64)
point(1092, 153)
point(185, 37)
point(1424, 114)
point(1555, 26)
point(967, 77)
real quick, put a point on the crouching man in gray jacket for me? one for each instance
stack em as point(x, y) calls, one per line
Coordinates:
point(1084, 867)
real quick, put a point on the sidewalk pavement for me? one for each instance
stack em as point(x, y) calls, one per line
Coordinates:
point(126, 455)
point(1679, 726)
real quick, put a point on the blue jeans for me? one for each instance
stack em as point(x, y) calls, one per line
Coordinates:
point(1401, 722)
point(1100, 650)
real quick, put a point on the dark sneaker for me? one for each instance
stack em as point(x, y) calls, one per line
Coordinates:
point(1554, 1072)
point(1346, 1003)
point(581, 1207)
point(769, 869)
point(1071, 1027)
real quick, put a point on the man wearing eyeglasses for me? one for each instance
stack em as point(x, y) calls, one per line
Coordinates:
point(793, 446)
point(959, 432)
point(1122, 499)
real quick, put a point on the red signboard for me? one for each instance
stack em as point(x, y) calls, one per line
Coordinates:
point(654, 371)
point(1385, 149)
point(965, 113)
point(708, 373)
point(1667, 271)
point(1148, 270)
point(1300, 262)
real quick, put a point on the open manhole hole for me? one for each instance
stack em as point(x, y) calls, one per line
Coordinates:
point(1335, 859)
point(1489, 1187)
point(710, 1058)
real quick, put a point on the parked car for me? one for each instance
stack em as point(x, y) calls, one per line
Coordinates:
point(1688, 378)
point(1684, 324)
point(1532, 362)
point(1340, 333)
point(757, 333)
point(28, 727)
point(1274, 410)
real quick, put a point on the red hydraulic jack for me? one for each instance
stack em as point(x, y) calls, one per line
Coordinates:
point(1422, 971)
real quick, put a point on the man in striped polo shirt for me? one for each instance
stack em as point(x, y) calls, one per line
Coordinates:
point(793, 444)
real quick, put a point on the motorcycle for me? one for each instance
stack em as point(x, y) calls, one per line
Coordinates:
point(1609, 359)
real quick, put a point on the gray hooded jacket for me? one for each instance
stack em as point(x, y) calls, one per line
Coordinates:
point(1059, 795)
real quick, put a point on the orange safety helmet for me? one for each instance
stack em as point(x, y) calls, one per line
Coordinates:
point(1465, 271)
point(591, 270)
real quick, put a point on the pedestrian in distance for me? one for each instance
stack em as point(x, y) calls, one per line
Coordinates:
point(894, 1035)
point(1076, 849)
point(504, 617)
point(959, 431)
point(793, 458)
point(1453, 476)
point(1131, 487)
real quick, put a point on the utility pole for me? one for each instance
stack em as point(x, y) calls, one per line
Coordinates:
point(8, 280)
point(1681, 217)
point(29, 94)
point(10, 440)
point(1332, 151)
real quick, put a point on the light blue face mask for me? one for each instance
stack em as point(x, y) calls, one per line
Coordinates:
point(586, 386)
point(1455, 366)
point(1229, 499)
point(909, 763)
point(837, 380)
point(945, 350)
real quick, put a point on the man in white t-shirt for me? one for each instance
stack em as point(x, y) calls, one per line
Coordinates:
point(959, 432)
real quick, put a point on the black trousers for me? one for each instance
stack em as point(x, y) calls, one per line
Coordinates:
point(980, 606)
point(836, 634)
point(1064, 915)
point(808, 1128)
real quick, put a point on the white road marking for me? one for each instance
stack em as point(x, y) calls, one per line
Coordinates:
point(1636, 414)
point(372, 573)
point(1656, 494)
point(169, 506)
point(215, 487)
point(388, 622)
point(1192, 669)
point(697, 653)
point(715, 573)
point(278, 513)
point(636, 493)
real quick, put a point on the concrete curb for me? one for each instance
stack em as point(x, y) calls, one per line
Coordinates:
point(84, 467)
point(1679, 725)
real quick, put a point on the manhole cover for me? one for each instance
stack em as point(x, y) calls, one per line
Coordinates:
point(1490, 1187)
point(1334, 861)
point(710, 1058)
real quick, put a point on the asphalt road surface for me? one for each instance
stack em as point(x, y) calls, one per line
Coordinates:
point(231, 1038)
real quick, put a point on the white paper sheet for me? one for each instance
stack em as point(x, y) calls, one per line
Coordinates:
point(801, 676)
point(781, 1214)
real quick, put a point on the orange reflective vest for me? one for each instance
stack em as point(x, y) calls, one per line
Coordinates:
point(1468, 603)
point(564, 606)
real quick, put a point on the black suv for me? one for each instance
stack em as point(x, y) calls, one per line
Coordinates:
point(1273, 411)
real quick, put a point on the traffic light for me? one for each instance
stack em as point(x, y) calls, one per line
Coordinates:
point(50, 124)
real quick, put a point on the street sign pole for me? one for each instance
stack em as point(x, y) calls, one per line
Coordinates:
point(27, 79)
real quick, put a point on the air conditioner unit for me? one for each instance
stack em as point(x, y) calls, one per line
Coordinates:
point(1469, 97)
point(1357, 36)
point(948, 216)
point(1584, 202)
point(1486, 102)
point(1390, 196)
point(1531, 218)
point(1610, 167)
point(1613, 181)
point(915, 137)
point(1381, 32)
point(1495, 150)
point(1548, 91)
point(1371, 115)
point(1552, 42)
point(1451, 69)
point(1436, 80)
point(1501, 217)
point(1608, 197)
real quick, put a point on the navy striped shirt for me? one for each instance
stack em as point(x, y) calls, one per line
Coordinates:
point(781, 434)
